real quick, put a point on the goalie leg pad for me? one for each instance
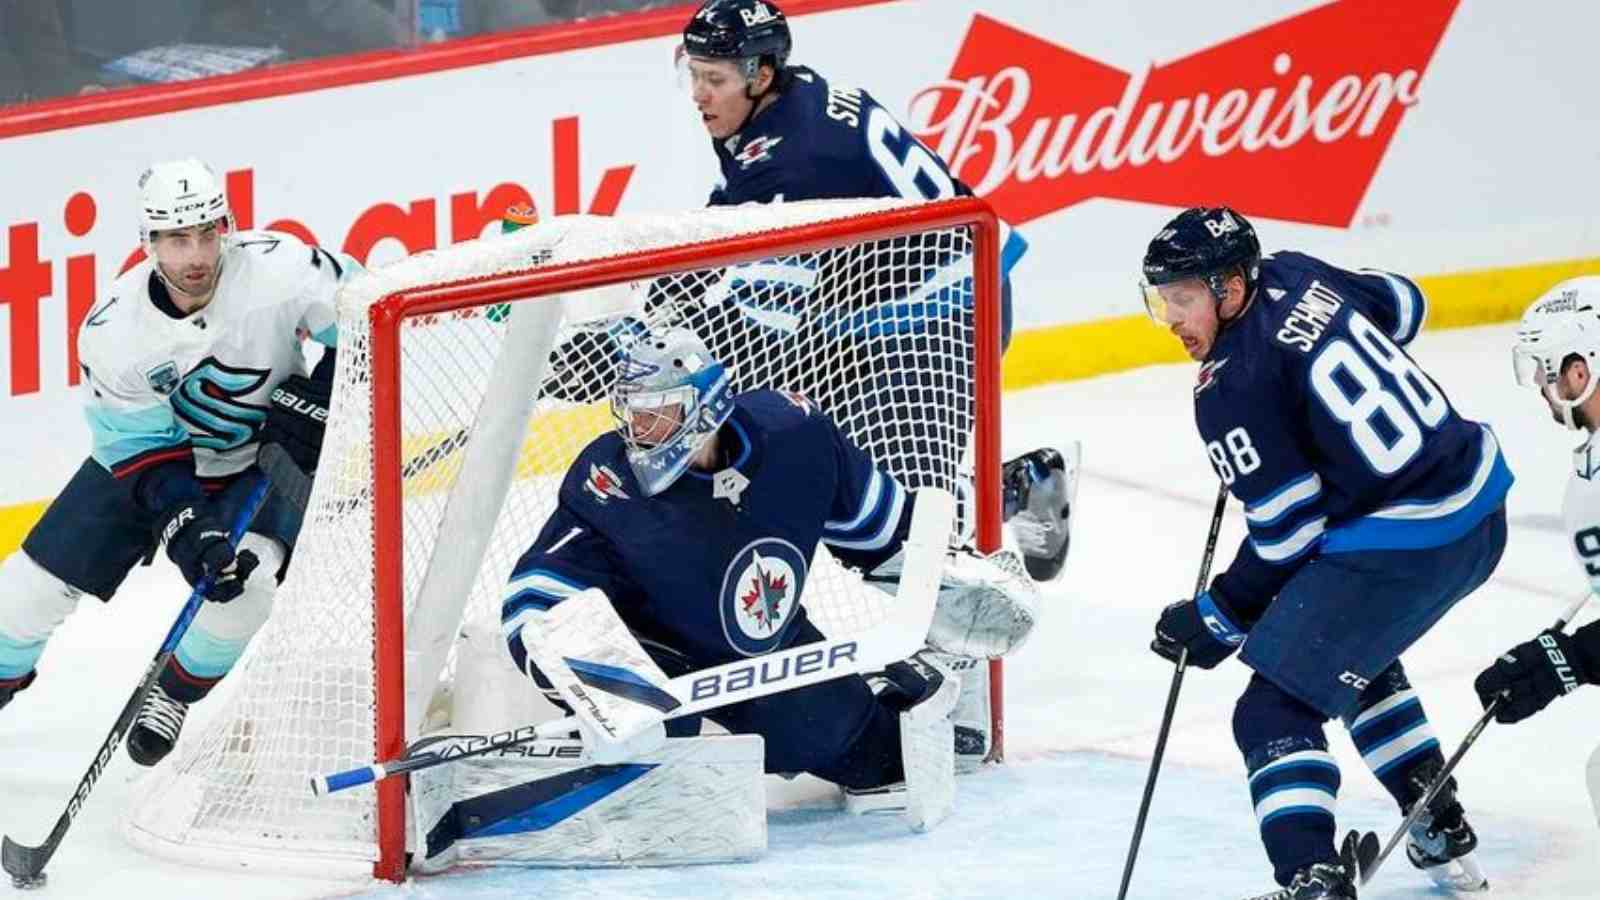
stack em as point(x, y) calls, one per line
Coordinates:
point(970, 718)
point(694, 800)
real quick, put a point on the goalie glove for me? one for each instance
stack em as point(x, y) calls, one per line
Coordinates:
point(987, 604)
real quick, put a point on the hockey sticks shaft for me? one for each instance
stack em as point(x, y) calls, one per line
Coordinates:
point(294, 485)
point(891, 640)
point(26, 863)
point(1421, 806)
point(1172, 698)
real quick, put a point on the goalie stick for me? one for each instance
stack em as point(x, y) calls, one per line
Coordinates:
point(1439, 780)
point(891, 640)
point(26, 864)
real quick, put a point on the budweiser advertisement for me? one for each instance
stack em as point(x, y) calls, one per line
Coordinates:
point(1430, 137)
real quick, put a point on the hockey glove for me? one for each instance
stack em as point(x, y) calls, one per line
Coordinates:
point(198, 544)
point(299, 416)
point(1530, 675)
point(1201, 625)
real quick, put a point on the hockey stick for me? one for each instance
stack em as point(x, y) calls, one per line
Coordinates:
point(1172, 698)
point(294, 485)
point(26, 864)
point(891, 640)
point(1439, 780)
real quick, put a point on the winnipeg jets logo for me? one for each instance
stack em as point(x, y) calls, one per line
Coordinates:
point(604, 484)
point(760, 593)
point(1208, 375)
point(756, 150)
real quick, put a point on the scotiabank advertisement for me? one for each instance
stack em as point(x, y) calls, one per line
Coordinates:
point(1431, 137)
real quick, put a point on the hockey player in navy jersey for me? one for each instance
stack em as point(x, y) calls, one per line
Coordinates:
point(783, 133)
point(699, 518)
point(187, 360)
point(1372, 507)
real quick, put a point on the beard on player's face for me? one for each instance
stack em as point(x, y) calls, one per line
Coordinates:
point(189, 258)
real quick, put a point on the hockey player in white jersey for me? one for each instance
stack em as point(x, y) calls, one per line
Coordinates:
point(190, 360)
point(1558, 351)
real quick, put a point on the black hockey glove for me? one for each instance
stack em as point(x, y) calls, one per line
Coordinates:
point(198, 544)
point(1201, 625)
point(298, 418)
point(1531, 674)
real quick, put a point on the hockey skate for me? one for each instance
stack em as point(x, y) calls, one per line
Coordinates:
point(1323, 881)
point(15, 686)
point(924, 691)
point(1039, 489)
point(1441, 842)
point(156, 728)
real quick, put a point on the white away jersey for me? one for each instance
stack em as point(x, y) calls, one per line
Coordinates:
point(1580, 509)
point(157, 385)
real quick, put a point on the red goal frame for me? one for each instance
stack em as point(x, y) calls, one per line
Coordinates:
point(389, 313)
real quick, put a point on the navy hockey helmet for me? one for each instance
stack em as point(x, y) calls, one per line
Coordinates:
point(749, 32)
point(1205, 242)
point(670, 397)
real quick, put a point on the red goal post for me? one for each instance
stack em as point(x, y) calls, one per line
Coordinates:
point(435, 322)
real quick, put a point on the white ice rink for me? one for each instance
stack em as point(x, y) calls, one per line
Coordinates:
point(1084, 701)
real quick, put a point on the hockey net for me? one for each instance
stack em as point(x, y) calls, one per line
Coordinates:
point(468, 380)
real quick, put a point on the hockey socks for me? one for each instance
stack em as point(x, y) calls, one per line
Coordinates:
point(1391, 731)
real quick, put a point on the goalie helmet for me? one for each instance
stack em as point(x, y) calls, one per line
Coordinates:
point(748, 32)
point(179, 194)
point(671, 395)
point(1563, 323)
point(1202, 242)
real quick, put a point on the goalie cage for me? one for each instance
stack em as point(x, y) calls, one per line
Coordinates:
point(885, 313)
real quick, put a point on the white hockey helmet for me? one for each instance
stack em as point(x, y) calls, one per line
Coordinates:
point(179, 194)
point(1563, 323)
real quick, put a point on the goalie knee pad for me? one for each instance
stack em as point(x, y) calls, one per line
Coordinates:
point(33, 603)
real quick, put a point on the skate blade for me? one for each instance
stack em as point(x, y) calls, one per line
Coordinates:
point(1462, 874)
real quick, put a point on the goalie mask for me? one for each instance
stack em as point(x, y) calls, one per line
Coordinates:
point(1563, 323)
point(670, 397)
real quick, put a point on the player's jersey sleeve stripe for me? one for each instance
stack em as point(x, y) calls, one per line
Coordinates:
point(530, 595)
point(1417, 524)
point(1411, 307)
point(1286, 499)
point(875, 532)
point(1291, 547)
point(869, 505)
point(126, 441)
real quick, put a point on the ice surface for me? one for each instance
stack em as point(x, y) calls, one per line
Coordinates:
point(1084, 701)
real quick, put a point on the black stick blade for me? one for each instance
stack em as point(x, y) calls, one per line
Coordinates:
point(24, 864)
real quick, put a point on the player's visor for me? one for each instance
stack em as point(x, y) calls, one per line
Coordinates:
point(1171, 302)
point(1529, 368)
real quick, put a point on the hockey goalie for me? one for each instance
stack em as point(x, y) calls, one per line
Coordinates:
point(679, 547)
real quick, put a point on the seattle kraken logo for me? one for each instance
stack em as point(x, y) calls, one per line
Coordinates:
point(209, 401)
point(760, 594)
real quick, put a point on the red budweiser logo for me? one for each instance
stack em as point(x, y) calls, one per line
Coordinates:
point(1288, 121)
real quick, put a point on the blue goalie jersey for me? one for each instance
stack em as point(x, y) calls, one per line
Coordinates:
point(714, 567)
point(1331, 435)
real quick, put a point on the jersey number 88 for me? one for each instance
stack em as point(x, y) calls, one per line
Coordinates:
point(1373, 403)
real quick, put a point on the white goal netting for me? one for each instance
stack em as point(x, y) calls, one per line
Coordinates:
point(477, 409)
